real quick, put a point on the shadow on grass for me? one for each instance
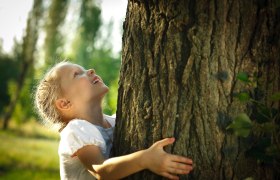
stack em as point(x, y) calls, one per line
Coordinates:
point(11, 173)
point(31, 129)
point(4, 169)
point(34, 135)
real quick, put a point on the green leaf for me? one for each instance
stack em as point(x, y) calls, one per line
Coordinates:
point(243, 76)
point(241, 125)
point(263, 113)
point(261, 150)
point(275, 96)
point(273, 150)
point(276, 4)
point(243, 97)
point(268, 127)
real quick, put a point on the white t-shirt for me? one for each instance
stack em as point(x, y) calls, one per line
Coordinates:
point(77, 134)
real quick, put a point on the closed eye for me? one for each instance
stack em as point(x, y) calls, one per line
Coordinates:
point(76, 73)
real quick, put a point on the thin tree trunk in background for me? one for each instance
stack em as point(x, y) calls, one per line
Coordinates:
point(90, 23)
point(180, 60)
point(27, 56)
point(54, 40)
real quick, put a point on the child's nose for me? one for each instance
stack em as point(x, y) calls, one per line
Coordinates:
point(91, 72)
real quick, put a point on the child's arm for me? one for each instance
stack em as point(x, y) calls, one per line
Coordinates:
point(154, 159)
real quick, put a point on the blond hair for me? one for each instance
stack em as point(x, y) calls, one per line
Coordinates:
point(47, 92)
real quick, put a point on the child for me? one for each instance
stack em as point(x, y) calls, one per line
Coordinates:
point(70, 96)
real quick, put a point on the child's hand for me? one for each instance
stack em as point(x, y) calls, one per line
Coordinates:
point(164, 164)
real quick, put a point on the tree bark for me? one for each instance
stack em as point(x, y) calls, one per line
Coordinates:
point(180, 60)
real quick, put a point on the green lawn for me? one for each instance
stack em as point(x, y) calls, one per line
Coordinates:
point(28, 152)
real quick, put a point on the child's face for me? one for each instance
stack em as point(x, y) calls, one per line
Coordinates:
point(80, 85)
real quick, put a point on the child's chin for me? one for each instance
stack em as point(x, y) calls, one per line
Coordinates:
point(103, 92)
point(106, 89)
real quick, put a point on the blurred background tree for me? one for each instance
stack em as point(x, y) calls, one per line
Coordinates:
point(32, 57)
point(24, 55)
point(54, 39)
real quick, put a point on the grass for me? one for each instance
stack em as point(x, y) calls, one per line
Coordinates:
point(28, 151)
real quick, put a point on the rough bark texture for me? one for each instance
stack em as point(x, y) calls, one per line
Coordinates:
point(180, 60)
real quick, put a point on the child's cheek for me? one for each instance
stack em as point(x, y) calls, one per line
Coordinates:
point(85, 84)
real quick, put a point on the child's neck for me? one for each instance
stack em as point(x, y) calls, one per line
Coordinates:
point(94, 115)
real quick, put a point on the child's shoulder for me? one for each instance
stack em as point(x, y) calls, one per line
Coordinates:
point(76, 123)
point(77, 126)
point(79, 133)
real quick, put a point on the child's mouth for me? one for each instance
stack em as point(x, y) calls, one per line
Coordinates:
point(96, 81)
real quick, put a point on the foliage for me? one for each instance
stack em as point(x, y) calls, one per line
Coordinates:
point(262, 128)
point(108, 68)
point(241, 125)
point(112, 98)
point(24, 106)
point(7, 75)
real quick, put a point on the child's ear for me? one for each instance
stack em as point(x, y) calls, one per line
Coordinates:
point(63, 104)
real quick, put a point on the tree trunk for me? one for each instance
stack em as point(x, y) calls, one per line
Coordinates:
point(180, 60)
point(54, 40)
point(27, 56)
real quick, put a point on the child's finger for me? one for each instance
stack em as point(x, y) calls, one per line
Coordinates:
point(181, 166)
point(178, 171)
point(181, 159)
point(169, 175)
point(165, 142)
